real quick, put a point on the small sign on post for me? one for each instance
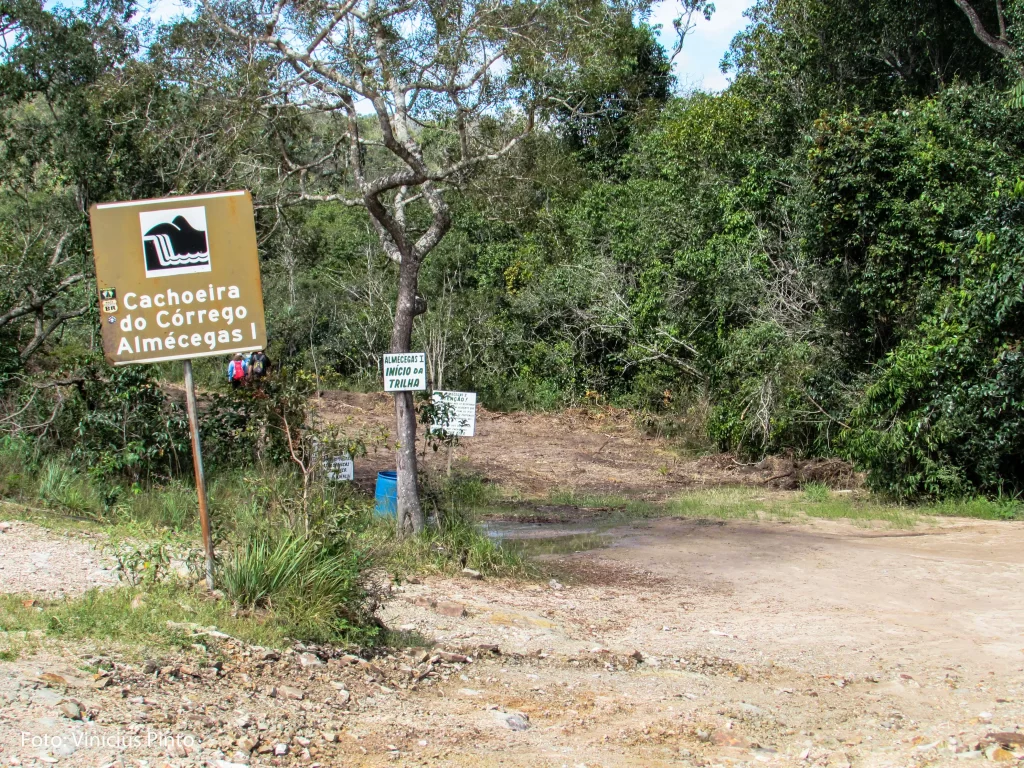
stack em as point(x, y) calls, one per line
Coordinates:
point(179, 278)
point(405, 372)
point(461, 420)
point(341, 469)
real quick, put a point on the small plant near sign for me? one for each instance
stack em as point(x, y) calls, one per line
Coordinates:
point(142, 563)
point(440, 429)
point(311, 442)
point(447, 417)
point(438, 418)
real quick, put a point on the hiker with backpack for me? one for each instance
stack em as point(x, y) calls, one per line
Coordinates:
point(260, 365)
point(237, 371)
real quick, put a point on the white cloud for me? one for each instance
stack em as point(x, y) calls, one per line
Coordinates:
point(697, 64)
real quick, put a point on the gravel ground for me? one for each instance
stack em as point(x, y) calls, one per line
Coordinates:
point(40, 562)
point(685, 644)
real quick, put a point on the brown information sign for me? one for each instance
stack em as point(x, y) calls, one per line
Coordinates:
point(178, 277)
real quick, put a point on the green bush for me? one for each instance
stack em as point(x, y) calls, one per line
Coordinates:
point(944, 414)
point(128, 429)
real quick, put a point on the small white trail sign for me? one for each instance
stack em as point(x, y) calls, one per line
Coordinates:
point(405, 372)
point(462, 421)
point(341, 469)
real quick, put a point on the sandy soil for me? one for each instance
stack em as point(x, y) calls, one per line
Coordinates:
point(596, 450)
point(685, 643)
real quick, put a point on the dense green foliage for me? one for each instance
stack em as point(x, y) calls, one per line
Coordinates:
point(825, 258)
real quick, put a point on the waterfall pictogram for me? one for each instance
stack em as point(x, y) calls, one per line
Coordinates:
point(174, 241)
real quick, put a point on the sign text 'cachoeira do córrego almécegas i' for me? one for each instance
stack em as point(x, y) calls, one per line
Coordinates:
point(178, 277)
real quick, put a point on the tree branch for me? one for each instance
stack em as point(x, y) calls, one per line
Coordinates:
point(39, 302)
point(998, 44)
point(42, 331)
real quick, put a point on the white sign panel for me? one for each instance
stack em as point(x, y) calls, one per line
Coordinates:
point(174, 241)
point(341, 468)
point(405, 372)
point(462, 419)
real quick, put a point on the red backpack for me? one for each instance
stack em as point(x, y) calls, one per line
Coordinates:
point(236, 370)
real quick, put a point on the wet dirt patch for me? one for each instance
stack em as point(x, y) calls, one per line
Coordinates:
point(593, 571)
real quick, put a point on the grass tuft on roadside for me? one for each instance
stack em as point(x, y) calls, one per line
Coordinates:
point(135, 616)
point(314, 585)
point(291, 567)
point(455, 538)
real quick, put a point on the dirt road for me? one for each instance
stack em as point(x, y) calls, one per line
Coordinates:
point(863, 647)
point(687, 642)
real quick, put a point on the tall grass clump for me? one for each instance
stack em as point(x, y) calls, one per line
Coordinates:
point(16, 458)
point(63, 487)
point(315, 585)
point(999, 508)
point(173, 506)
point(816, 491)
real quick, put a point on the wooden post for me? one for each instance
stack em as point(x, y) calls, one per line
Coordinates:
point(197, 463)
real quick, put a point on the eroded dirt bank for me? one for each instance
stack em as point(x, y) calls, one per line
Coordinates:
point(685, 643)
point(597, 450)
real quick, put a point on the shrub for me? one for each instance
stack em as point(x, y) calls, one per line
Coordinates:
point(944, 414)
point(130, 430)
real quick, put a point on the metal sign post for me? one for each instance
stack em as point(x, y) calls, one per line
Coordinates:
point(178, 279)
point(197, 464)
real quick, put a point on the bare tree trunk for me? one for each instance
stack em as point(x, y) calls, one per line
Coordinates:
point(346, 57)
point(410, 512)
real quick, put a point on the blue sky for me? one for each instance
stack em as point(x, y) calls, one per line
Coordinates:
point(696, 66)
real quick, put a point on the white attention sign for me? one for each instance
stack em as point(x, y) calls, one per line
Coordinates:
point(341, 468)
point(405, 372)
point(462, 421)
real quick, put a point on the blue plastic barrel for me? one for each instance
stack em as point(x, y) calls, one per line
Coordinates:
point(386, 496)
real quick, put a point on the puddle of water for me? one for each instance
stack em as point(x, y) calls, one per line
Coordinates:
point(535, 539)
point(503, 530)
